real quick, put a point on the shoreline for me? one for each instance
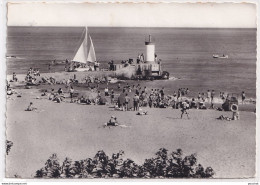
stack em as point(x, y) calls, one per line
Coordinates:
point(80, 76)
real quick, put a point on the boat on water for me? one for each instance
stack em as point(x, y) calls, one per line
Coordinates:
point(85, 57)
point(10, 57)
point(220, 56)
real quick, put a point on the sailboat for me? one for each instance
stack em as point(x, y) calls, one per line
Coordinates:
point(85, 56)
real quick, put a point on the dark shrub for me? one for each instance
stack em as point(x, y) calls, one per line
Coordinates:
point(163, 165)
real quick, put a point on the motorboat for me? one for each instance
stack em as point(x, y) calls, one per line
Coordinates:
point(220, 56)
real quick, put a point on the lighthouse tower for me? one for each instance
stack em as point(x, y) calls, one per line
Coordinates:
point(150, 51)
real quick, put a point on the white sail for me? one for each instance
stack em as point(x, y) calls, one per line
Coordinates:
point(91, 54)
point(86, 52)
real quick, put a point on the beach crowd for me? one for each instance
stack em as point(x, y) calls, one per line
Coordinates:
point(123, 96)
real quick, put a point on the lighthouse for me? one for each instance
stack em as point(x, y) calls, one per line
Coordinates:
point(150, 51)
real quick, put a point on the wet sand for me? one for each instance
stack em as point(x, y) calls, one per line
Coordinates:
point(74, 130)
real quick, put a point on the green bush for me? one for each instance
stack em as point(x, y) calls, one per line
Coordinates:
point(163, 165)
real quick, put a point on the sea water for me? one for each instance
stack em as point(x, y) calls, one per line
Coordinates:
point(186, 53)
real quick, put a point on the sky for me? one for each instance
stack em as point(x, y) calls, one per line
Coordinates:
point(225, 15)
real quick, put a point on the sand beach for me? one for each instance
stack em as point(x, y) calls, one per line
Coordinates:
point(74, 130)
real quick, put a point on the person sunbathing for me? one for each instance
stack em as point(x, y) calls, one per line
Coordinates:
point(224, 118)
point(112, 122)
point(142, 113)
point(56, 98)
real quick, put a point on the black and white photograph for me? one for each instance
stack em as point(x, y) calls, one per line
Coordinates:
point(135, 91)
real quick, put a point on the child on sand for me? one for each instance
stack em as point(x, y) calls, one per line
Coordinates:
point(184, 107)
point(243, 97)
point(112, 122)
point(30, 107)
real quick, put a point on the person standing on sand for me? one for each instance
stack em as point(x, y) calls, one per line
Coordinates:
point(212, 95)
point(199, 96)
point(184, 107)
point(162, 93)
point(243, 95)
point(179, 93)
point(14, 77)
point(150, 101)
point(174, 94)
point(112, 96)
point(106, 91)
point(71, 93)
point(136, 102)
point(127, 100)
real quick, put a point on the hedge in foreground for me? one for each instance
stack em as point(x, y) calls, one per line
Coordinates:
point(163, 165)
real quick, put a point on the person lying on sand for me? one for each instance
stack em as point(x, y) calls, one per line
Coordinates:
point(142, 113)
point(84, 101)
point(224, 118)
point(30, 107)
point(57, 98)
